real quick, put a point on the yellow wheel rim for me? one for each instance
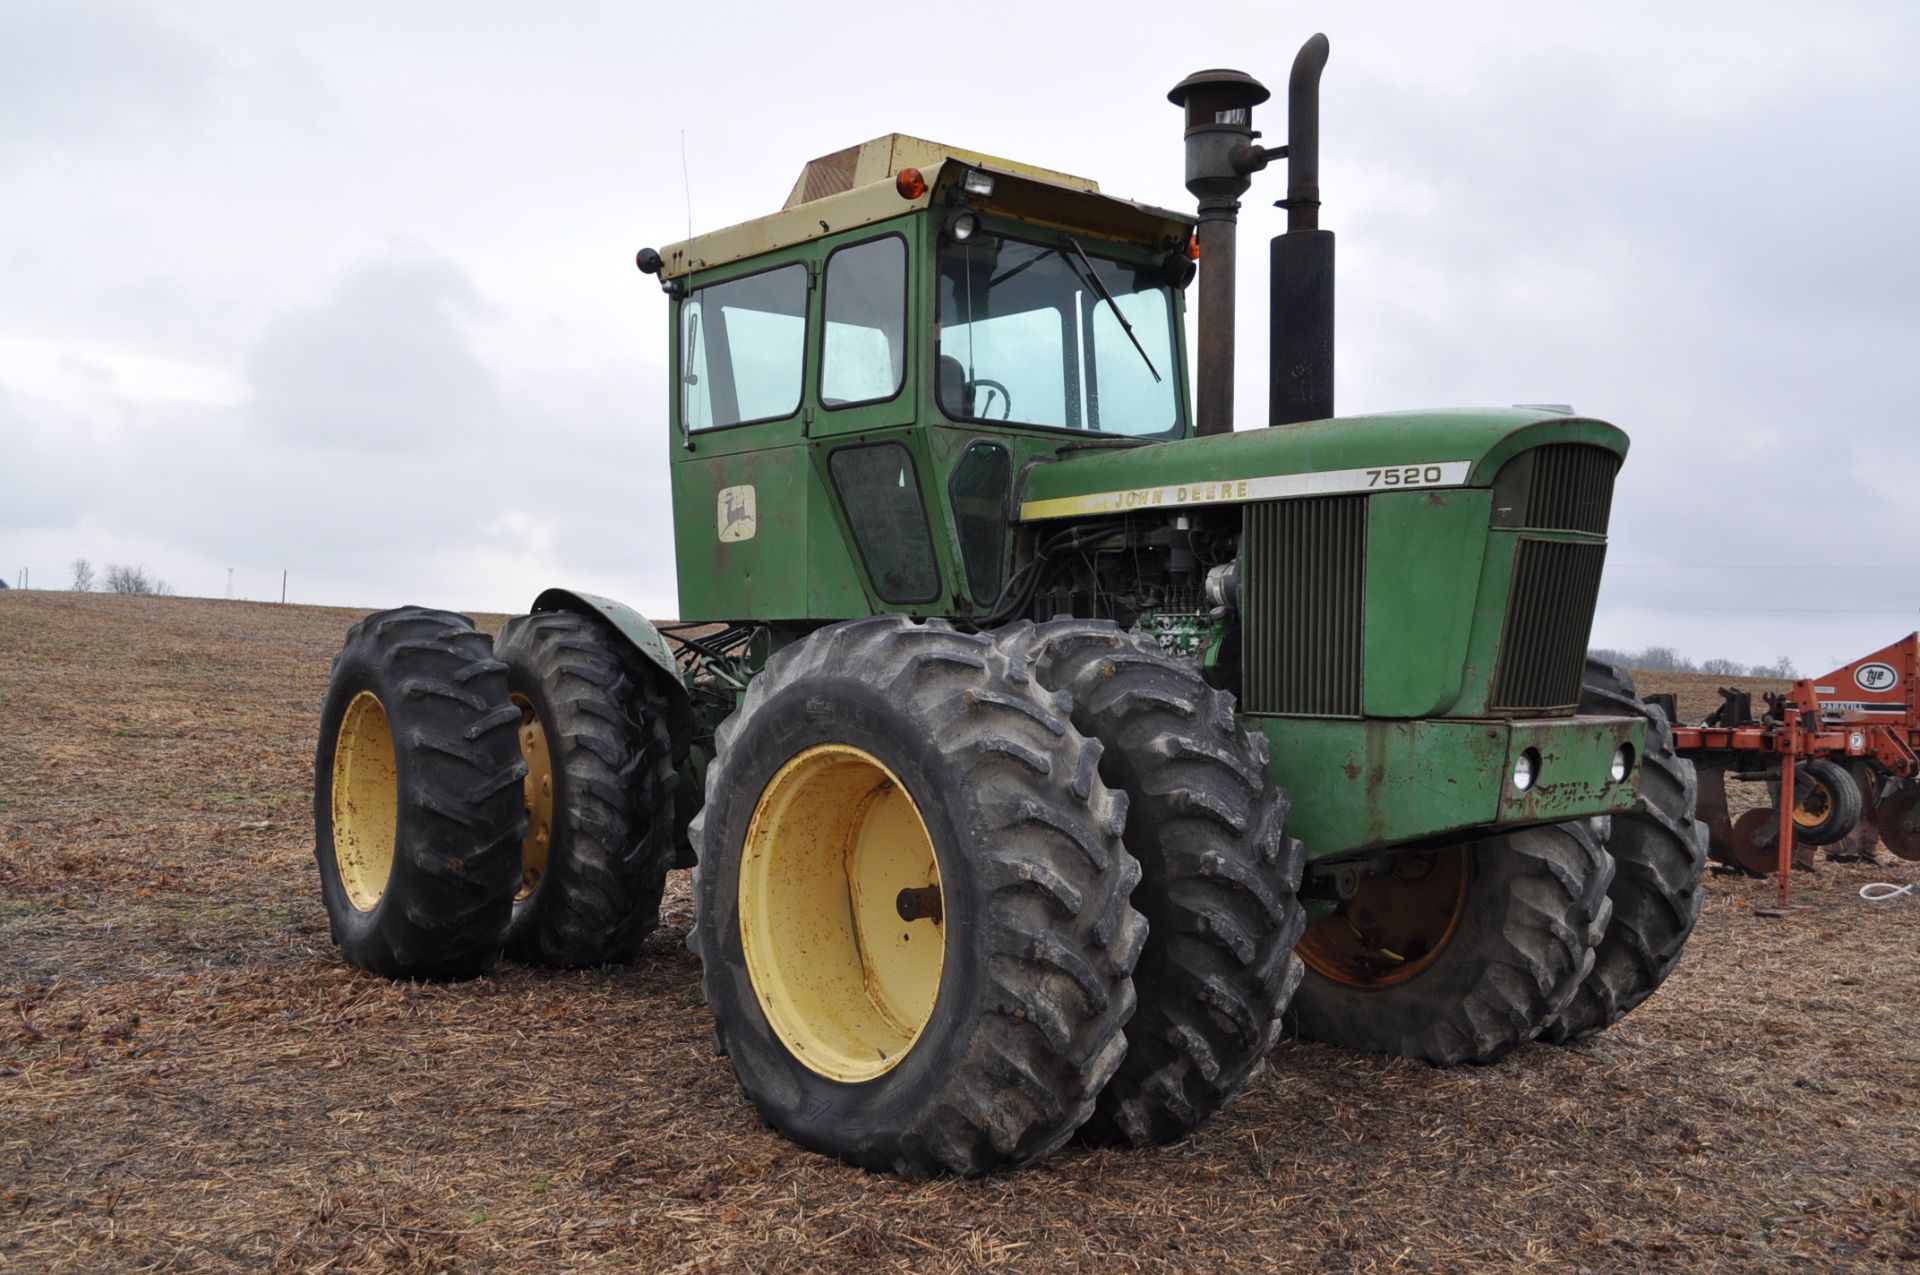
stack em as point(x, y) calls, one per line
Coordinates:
point(842, 913)
point(1395, 925)
point(366, 801)
point(537, 797)
point(1812, 803)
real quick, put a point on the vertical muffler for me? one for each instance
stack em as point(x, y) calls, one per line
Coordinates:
point(1300, 358)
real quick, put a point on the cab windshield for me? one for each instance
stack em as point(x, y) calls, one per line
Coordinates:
point(1026, 337)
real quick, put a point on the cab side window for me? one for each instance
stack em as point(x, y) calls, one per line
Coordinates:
point(743, 349)
point(863, 348)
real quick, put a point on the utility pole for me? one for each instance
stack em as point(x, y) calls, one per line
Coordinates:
point(283, 586)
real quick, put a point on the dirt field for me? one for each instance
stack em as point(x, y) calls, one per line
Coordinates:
point(190, 1079)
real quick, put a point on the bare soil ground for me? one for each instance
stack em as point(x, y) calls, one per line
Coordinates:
point(191, 1080)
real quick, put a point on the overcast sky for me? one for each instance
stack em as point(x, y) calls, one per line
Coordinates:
point(347, 289)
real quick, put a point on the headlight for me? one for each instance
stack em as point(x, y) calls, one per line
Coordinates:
point(1526, 769)
point(961, 223)
point(978, 183)
point(1622, 763)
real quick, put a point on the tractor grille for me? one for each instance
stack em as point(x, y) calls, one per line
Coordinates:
point(1572, 488)
point(1543, 649)
point(1305, 565)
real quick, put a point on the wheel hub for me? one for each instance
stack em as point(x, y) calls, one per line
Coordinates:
point(842, 913)
point(1812, 802)
point(366, 801)
point(1395, 924)
point(538, 799)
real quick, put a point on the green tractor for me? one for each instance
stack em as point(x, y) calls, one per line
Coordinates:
point(1047, 749)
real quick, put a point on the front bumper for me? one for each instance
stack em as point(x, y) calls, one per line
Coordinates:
point(1369, 784)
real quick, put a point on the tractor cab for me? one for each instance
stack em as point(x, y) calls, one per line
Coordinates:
point(860, 377)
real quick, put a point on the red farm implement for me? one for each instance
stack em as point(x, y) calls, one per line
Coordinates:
point(1854, 740)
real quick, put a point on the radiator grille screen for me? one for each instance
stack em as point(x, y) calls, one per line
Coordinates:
point(1303, 605)
point(1543, 648)
point(1572, 488)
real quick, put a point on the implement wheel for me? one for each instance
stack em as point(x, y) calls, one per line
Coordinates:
point(1457, 955)
point(1826, 802)
point(598, 794)
point(913, 902)
point(416, 805)
point(1218, 881)
point(1659, 851)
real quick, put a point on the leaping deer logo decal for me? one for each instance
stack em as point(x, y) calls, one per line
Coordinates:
point(736, 514)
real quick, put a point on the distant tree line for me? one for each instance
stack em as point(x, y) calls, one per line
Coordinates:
point(119, 579)
point(1664, 659)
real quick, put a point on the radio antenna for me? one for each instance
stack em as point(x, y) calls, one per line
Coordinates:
point(686, 183)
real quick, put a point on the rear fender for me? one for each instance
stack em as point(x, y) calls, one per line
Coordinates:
point(644, 639)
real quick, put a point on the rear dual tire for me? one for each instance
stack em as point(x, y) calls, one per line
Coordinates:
point(595, 718)
point(438, 842)
point(417, 801)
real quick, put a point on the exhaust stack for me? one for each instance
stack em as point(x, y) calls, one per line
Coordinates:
point(1221, 157)
point(1300, 362)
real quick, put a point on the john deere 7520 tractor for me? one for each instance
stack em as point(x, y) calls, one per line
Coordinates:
point(1042, 747)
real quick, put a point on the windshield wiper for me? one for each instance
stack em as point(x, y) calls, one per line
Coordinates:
point(1093, 277)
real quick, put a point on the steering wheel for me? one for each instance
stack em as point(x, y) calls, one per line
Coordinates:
point(1006, 399)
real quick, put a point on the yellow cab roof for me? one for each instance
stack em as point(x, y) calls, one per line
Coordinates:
point(856, 187)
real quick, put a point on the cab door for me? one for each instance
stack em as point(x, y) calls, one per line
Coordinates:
point(866, 446)
point(744, 494)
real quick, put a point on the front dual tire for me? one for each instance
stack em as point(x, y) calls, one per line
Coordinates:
point(913, 901)
point(1556, 933)
point(1460, 955)
point(1219, 875)
point(1659, 852)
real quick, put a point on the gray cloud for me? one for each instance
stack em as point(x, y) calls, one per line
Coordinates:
point(382, 365)
point(72, 71)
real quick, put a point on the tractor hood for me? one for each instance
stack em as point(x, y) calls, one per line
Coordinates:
point(1387, 452)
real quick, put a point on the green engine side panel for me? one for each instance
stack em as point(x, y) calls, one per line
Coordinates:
point(1363, 785)
point(1426, 547)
